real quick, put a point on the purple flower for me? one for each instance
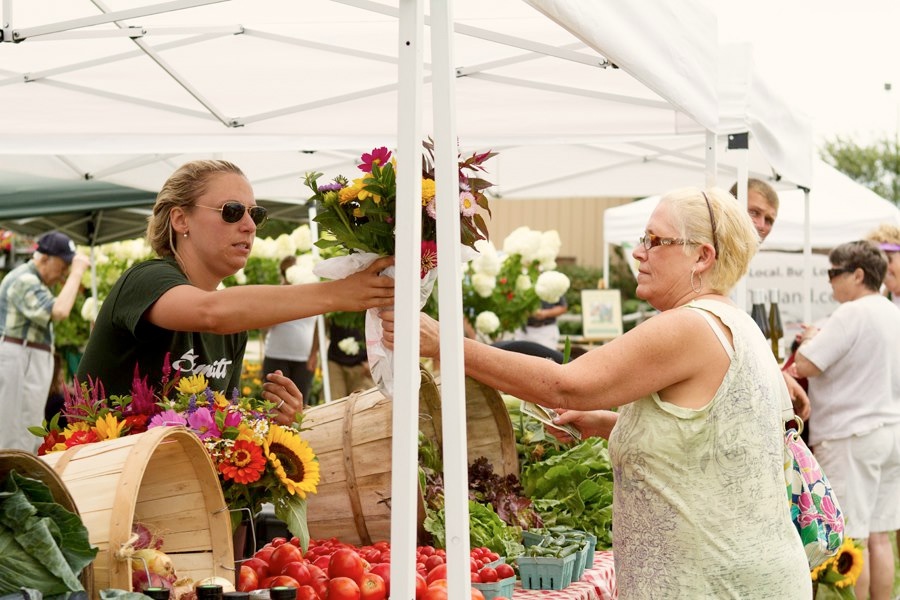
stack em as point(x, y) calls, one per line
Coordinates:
point(331, 187)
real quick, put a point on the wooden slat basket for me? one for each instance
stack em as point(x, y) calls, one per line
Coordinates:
point(29, 465)
point(163, 478)
point(352, 438)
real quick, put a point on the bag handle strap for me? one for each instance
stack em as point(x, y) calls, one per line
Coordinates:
point(791, 421)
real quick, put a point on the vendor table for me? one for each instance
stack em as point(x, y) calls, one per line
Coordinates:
point(597, 583)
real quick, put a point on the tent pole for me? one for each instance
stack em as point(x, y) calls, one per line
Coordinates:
point(456, 464)
point(312, 211)
point(807, 259)
point(405, 413)
point(740, 142)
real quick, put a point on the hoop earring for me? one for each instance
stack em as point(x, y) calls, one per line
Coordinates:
point(699, 286)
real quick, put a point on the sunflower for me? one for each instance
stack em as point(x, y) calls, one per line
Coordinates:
point(848, 563)
point(295, 464)
point(244, 463)
point(841, 570)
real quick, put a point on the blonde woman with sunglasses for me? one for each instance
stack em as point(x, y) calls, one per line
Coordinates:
point(696, 443)
point(172, 309)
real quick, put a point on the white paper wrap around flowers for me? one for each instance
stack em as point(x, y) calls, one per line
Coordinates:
point(381, 360)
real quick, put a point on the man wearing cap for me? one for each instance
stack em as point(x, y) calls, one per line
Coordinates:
point(27, 312)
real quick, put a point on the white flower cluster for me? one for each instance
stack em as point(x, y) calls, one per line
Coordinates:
point(532, 245)
point(302, 270)
point(551, 285)
point(349, 346)
point(286, 244)
point(487, 322)
point(90, 309)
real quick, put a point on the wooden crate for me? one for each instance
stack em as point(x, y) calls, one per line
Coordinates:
point(163, 478)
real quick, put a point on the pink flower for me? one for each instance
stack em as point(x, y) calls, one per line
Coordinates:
point(378, 156)
point(467, 205)
point(203, 424)
point(431, 209)
point(232, 419)
point(167, 418)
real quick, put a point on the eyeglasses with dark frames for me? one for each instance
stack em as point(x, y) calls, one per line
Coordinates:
point(712, 223)
point(232, 212)
point(832, 273)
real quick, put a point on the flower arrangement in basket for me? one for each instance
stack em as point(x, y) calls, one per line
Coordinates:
point(257, 459)
point(359, 216)
point(836, 577)
point(500, 291)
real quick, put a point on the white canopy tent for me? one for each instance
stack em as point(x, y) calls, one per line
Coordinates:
point(283, 88)
point(841, 211)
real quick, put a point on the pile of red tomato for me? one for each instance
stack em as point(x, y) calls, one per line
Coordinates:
point(333, 570)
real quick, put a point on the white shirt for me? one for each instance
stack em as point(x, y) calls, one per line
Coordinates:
point(859, 387)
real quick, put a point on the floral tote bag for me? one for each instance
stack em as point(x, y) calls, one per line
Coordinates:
point(814, 506)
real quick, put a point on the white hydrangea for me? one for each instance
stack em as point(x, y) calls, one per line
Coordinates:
point(302, 238)
point(90, 309)
point(551, 285)
point(487, 322)
point(285, 245)
point(240, 277)
point(525, 242)
point(549, 250)
point(349, 346)
point(487, 261)
point(523, 283)
point(266, 248)
point(484, 284)
point(300, 273)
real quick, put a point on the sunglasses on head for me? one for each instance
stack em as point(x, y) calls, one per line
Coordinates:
point(232, 212)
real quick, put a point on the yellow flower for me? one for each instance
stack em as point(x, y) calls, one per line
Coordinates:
point(220, 399)
point(351, 193)
point(294, 462)
point(364, 194)
point(246, 390)
point(848, 563)
point(192, 384)
point(108, 427)
point(843, 569)
point(427, 191)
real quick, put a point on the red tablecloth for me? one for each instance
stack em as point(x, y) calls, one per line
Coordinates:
point(597, 583)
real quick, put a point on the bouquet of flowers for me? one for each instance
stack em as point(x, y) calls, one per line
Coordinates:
point(257, 459)
point(359, 217)
point(500, 291)
point(836, 577)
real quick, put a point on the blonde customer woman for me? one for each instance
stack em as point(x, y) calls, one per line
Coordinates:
point(696, 444)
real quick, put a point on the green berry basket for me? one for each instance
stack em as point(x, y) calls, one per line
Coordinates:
point(545, 572)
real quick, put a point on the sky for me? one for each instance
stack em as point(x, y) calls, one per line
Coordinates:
point(829, 59)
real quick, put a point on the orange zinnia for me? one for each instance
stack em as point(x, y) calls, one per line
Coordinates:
point(244, 464)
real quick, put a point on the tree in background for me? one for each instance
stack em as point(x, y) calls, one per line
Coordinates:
point(876, 166)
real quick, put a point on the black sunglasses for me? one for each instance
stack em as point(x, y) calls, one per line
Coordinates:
point(832, 273)
point(232, 212)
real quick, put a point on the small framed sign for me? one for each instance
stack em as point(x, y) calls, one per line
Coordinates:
point(601, 312)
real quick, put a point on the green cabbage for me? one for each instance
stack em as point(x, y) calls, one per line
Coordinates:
point(43, 546)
